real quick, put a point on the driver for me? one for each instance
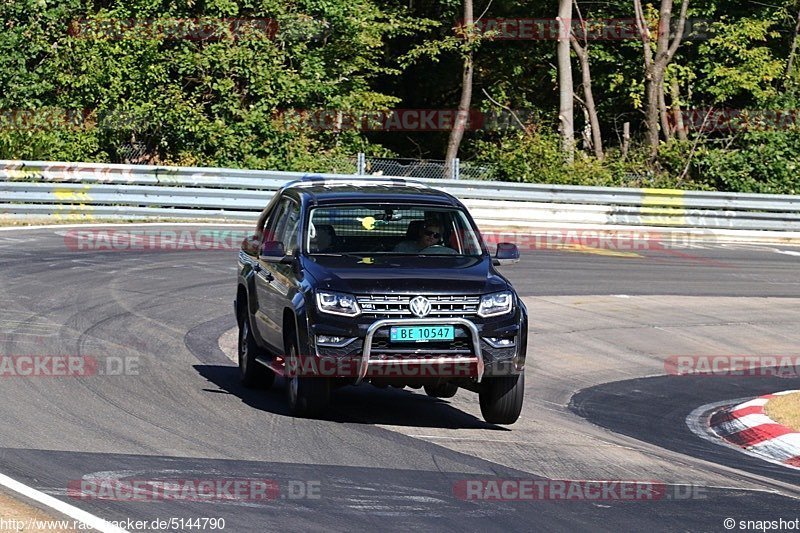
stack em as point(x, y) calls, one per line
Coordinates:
point(429, 239)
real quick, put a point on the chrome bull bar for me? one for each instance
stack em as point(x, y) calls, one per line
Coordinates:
point(476, 342)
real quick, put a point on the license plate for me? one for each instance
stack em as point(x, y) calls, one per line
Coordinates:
point(421, 333)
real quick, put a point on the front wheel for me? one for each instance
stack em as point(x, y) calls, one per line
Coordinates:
point(501, 398)
point(307, 396)
point(253, 374)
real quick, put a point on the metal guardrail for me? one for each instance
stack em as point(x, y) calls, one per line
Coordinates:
point(98, 191)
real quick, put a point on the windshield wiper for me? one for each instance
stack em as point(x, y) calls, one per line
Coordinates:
point(340, 254)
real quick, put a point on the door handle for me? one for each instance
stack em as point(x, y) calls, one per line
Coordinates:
point(266, 275)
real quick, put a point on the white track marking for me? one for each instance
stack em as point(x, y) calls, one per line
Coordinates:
point(88, 519)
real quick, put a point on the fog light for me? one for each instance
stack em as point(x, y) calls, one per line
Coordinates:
point(500, 342)
point(334, 341)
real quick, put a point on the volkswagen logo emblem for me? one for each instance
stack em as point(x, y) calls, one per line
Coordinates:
point(420, 306)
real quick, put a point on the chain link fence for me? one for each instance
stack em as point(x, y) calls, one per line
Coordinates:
point(422, 168)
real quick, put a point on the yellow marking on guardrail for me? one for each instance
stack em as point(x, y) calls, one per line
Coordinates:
point(20, 173)
point(70, 212)
point(663, 207)
point(170, 175)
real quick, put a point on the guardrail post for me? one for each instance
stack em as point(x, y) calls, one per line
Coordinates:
point(456, 170)
point(361, 164)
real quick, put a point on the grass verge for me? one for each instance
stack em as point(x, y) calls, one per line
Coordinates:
point(785, 410)
point(20, 517)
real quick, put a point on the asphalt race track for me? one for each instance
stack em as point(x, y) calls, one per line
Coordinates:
point(598, 403)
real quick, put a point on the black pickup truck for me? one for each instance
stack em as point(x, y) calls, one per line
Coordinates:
point(383, 281)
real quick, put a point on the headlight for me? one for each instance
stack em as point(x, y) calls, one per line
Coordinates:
point(496, 304)
point(337, 303)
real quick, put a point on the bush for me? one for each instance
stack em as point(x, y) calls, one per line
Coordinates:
point(752, 162)
point(759, 162)
point(537, 158)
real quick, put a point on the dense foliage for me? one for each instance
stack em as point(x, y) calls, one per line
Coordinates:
point(270, 84)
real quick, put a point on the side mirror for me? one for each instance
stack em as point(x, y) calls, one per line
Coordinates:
point(507, 254)
point(273, 250)
point(250, 244)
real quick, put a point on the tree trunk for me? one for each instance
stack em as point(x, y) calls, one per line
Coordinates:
point(565, 87)
point(656, 65)
point(586, 134)
point(651, 114)
point(626, 139)
point(793, 51)
point(591, 108)
point(662, 111)
point(457, 133)
point(677, 114)
point(651, 109)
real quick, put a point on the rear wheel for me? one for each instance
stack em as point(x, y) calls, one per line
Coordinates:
point(501, 398)
point(308, 396)
point(441, 390)
point(253, 374)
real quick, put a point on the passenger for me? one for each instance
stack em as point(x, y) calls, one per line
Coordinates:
point(323, 239)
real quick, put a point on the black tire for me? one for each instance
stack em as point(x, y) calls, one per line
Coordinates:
point(307, 396)
point(252, 373)
point(501, 398)
point(442, 390)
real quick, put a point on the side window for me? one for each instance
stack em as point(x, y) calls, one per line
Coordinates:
point(263, 218)
point(287, 232)
point(469, 241)
point(274, 222)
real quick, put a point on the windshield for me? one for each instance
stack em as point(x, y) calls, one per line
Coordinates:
point(381, 229)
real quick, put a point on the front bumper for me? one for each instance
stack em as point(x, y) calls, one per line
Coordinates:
point(471, 355)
